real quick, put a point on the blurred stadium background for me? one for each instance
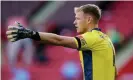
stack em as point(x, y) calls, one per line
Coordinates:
point(48, 62)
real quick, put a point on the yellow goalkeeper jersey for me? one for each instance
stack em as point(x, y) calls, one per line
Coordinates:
point(97, 55)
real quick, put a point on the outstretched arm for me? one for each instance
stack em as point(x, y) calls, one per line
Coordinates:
point(55, 39)
point(15, 33)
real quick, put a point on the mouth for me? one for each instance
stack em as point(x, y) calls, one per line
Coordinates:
point(76, 27)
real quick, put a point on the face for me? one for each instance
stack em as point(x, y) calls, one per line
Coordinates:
point(81, 22)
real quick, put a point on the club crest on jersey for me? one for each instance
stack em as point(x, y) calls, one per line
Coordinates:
point(83, 42)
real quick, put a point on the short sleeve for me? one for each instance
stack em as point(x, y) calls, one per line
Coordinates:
point(85, 41)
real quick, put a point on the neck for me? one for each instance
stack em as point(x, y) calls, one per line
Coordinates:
point(92, 26)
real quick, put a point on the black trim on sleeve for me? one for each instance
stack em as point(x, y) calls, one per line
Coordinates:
point(79, 42)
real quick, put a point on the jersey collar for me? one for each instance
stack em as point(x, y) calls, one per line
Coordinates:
point(98, 29)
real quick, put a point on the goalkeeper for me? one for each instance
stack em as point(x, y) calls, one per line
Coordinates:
point(96, 50)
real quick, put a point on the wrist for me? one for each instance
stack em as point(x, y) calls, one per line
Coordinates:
point(35, 36)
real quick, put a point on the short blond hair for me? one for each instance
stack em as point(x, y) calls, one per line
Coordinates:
point(91, 9)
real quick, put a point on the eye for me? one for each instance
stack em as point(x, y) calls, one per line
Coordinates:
point(77, 18)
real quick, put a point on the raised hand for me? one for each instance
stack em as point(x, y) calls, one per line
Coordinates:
point(18, 32)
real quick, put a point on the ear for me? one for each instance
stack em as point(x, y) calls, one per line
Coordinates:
point(89, 19)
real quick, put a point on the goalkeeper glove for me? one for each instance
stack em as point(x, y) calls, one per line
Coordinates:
point(18, 32)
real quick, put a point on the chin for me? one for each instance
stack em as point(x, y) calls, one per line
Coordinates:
point(79, 32)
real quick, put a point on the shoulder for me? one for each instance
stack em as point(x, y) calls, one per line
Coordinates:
point(90, 35)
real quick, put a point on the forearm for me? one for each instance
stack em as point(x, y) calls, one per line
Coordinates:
point(50, 38)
